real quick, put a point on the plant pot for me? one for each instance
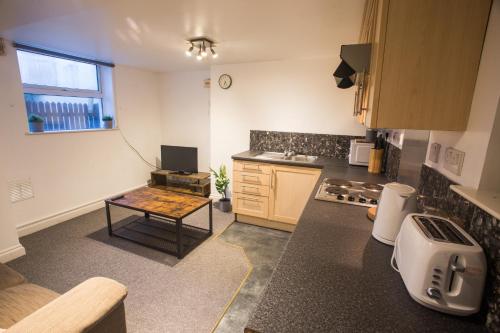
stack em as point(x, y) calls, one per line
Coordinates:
point(108, 124)
point(225, 205)
point(36, 127)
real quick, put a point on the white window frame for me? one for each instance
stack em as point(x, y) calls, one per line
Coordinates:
point(104, 92)
point(29, 88)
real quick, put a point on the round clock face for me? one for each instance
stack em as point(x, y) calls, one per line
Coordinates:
point(225, 81)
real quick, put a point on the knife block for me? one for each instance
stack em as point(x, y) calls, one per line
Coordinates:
point(375, 161)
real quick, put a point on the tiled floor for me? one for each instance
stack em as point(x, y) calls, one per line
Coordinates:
point(263, 248)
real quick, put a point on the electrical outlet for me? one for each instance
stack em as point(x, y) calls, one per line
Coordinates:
point(434, 152)
point(454, 160)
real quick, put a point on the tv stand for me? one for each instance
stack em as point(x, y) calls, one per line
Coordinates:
point(182, 173)
point(195, 183)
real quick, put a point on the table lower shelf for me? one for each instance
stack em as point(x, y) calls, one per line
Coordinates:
point(160, 234)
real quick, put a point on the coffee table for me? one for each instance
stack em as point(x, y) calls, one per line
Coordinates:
point(162, 226)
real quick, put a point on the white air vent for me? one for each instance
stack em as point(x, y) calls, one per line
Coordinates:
point(20, 190)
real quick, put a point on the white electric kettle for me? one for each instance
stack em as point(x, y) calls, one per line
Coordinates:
point(397, 201)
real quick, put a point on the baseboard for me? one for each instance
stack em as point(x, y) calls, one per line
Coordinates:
point(12, 253)
point(264, 223)
point(40, 224)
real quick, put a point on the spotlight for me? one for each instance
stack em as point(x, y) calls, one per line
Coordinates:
point(214, 55)
point(199, 56)
point(190, 51)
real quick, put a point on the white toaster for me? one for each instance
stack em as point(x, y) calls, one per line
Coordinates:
point(442, 266)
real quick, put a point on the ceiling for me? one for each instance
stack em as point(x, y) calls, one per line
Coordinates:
point(152, 34)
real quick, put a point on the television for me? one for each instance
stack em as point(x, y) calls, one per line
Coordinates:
point(183, 160)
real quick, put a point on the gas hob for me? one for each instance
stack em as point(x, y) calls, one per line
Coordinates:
point(349, 192)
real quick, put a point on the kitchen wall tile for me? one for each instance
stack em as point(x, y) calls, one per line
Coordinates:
point(436, 197)
point(392, 163)
point(328, 145)
point(486, 230)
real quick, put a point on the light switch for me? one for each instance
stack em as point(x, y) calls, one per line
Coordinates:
point(454, 160)
point(434, 152)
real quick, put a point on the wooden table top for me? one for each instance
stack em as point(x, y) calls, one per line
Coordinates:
point(160, 202)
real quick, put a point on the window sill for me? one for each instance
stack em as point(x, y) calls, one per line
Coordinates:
point(74, 131)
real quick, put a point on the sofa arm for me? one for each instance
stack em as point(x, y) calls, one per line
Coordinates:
point(95, 305)
point(9, 277)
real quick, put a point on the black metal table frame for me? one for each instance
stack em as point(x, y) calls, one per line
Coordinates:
point(178, 224)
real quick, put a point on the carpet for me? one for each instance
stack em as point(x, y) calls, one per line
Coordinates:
point(165, 294)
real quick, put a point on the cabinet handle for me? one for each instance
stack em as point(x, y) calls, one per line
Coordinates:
point(272, 179)
point(249, 199)
point(251, 191)
point(359, 94)
point(245, 167)
point(356, 96)
point(244, 177)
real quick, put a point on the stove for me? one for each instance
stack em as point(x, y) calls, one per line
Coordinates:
point(349, 192)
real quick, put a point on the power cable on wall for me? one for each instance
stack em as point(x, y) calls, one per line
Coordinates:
point(136, 151)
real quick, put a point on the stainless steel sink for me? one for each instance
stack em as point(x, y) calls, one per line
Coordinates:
point(269, 155)
point(304, 158)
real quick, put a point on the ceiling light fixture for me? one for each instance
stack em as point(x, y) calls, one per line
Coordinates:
point(201, 44)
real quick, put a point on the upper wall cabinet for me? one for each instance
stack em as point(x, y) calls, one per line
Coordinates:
point(424, 62)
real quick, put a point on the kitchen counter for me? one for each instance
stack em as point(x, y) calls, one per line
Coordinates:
point(250, 155)
point(334, 277)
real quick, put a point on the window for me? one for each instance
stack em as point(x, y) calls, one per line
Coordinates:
point(63, 94)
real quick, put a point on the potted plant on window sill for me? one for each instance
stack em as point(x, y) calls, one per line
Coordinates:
point(35, 123)
point(108, 122)
point(221, 184)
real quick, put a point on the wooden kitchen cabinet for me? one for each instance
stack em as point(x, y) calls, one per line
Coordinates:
point(271, 195)
point(289, 192)
point(251, 205)
point(424, 62)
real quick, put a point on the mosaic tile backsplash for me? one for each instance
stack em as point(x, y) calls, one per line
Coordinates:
point(436, 194)
point(392, 162)
point(336, 146)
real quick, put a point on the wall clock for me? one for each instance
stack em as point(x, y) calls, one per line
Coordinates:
point(225, 81)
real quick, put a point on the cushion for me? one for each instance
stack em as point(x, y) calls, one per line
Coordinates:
point(9, 277)
point(20, 301)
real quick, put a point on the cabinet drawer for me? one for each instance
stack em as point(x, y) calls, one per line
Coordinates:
point(251, 205)
point(252, 167)
point(243, 188)
point(250, 178)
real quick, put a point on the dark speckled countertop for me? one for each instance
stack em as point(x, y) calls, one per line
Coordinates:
point(250, 155)
point(334, 277)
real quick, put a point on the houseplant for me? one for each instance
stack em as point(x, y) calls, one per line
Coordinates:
point(221, 183)
point(108, 121)
point(35, 123)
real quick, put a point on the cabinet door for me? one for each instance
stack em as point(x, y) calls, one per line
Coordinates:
point(290, 190)
point(428, 63)
point(373, 32)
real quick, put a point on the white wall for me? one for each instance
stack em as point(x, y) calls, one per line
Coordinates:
point(288, 95)
point(490, 178)
point(185, 112)
point(69, 170)
point(8, 234)
point(474, 141)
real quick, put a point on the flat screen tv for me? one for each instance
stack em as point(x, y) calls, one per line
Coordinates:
point(179, 159)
